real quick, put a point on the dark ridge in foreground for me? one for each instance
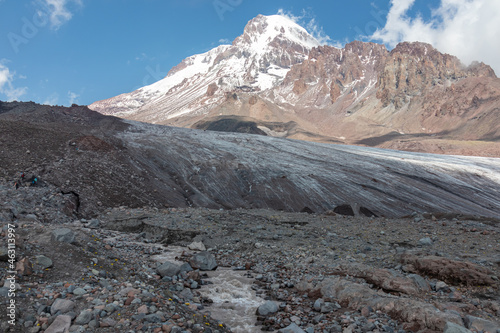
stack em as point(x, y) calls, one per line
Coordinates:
point(102, 161)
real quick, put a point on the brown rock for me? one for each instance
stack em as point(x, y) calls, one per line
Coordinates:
point(382, 278)
point(143, 309)
point(24, 267)
point(451, 271)
point(167, 328)
point(212, 88)
point(418, 315)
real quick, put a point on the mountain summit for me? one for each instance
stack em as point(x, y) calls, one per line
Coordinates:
point(277, 80)
point(257, 60)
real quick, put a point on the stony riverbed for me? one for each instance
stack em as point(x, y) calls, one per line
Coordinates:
point(130, 270)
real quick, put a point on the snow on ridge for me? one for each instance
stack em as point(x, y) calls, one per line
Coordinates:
point(197, 64)
point(292, 31)
point(266, 40)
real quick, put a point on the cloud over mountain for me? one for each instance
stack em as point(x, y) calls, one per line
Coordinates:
point(465, 28)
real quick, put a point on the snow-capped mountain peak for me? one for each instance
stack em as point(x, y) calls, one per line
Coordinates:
point(257, 60)
point(263, 31)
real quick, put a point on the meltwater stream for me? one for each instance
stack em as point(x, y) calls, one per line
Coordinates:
point(234, 301)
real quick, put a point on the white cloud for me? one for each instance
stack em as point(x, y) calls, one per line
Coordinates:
point(59, 12)
point(308, 21)
point(6, 86)
point(73, 97)
point(467, 29)
point(224, 41)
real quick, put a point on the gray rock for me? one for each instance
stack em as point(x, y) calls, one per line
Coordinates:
point(204, 261)
point(110, 308)
point(293, 328)
point(60, 325)
point(318, 304)
point(440, 285)
point(93, 224)
point(421, 283)
point(79, 292)
point(77, 328)
point(42, 262)
point(454, 328)
point(62, 305)
point(153, 318)
point(3, 253)
point(64, 235)
point(328, 307)
point(30, 217)
point(198, 246)
point(186, 267)
point(110, 322)
point(479, 324)
point(84, 318)
point(187, 294)
point(267, 308)
point(425, 241)
point(4, 292)
point(168, 269)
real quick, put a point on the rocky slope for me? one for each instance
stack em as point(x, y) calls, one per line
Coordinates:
point(99, 161)
point(101, 239)
point(278, 78)
point(129, 270)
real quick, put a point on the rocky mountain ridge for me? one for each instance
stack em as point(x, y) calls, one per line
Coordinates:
point(280, 79)
point(255, 61)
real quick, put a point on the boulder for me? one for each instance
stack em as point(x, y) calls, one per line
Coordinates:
point(62, 305)
point(419, 314)
point(267, 308)
point(383, 278)
point(84, 317)
point(203, 261)
point(455, 328)
point(293, 328)
point(64, 235)
point(24, 267)
point(168, 269)
point(425, 241)
point(448, 270)
point(42, 262)
point(93, 224)
point(60, 325)
point(198, 246)
point(421, 283)
point(481, 325)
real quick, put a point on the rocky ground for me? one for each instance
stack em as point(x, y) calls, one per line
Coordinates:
point(115, 272)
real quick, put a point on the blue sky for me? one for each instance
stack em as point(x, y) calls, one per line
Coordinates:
point(79, 51)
